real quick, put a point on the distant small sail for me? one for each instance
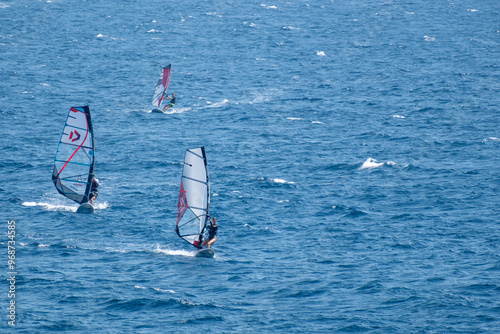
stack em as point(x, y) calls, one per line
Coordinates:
point(74, 161)
point(162, 86)
point(194, 197)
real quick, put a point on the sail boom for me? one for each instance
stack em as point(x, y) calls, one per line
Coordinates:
point(195, 180)
point(190, 221)
point(74, 163)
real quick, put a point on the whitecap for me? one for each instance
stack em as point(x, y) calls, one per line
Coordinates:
point(187, 302)
point(317, 122)
point(161, 290)
point(320, 53)
point(281, 181)
point(490, 138)
point(398, 116)
point(275, 180)
point(371, 163)
point(429, 39)
point(114, 250)
point(217, 104)
point(294, 118)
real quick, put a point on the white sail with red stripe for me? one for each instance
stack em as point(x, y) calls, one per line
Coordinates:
point(74, 161)
point(194, 197)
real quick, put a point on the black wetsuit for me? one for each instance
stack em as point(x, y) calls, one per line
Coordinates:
point(212, 230)
point(94, 189)
point(172, 101)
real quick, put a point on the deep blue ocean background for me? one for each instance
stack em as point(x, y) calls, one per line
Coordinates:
point(353, 149)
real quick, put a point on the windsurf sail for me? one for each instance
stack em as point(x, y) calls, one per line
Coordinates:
point(194, 197)
point(161, 86)
point(74, 160)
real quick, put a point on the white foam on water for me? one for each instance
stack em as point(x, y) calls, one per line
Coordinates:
point(162, 290)
point(268, 6)
point(52, 207)
point(171, 111)
point(217, 104)
point(64, 207)
point(371, 163)
point(281, 181)
point(175, 252)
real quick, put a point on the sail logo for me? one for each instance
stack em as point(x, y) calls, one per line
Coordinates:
point(74, 134)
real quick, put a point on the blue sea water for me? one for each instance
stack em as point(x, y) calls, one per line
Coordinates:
point(353, 149)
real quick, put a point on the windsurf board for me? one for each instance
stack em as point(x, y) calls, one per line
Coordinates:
point(85, 208)
point(207, 252)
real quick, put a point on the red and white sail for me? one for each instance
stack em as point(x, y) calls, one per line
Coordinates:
point(162, 86)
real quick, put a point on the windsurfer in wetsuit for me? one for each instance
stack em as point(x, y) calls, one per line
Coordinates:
point(94, 190)
point(172, 102)
point(212, 233)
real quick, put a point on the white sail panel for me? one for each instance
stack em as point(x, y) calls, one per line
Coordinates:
point(162, 86)
point(74, 160)
point(194, 197)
